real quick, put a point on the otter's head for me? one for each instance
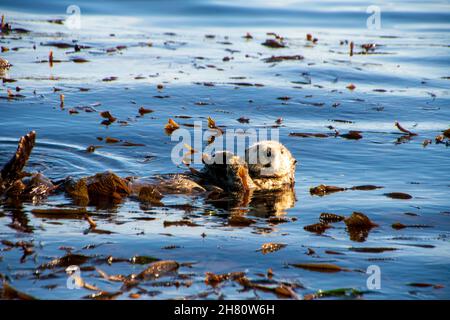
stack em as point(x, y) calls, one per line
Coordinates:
point(269, 159)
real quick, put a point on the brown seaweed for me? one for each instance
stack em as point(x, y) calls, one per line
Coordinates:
point(283, 58)
point(398, 195)
point(171, 126)
point(179, 223)
point(239, 221)
point(359, 226)
point(213, 279)
point(65, 261)
point(352, 135)
point(326, 217)
point(319, 267)
point(318, 228)
point(272, 43)
point(271, 247)
point(158, 269)
point(402, 129)
point(322, 190)
point(8, 292)
point(13, 169)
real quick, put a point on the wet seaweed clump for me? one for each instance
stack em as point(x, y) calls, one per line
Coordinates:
point(310, 38)
point(171, 126)
point(326, 217)
point(158, 269)
point(102, 186)
point(8, 292)
point(15, 183)
point(352, 135)
point(322, 190)
point(341, 292)
point(271, 247)
point(274, 43)
point(319, 267)
point(283, 58)
point(4, 64)
point(398, 195)
point(359, 226)
point(318, 228)
point(150, 194)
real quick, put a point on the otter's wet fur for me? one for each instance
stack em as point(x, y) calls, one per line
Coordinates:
point(228, 171)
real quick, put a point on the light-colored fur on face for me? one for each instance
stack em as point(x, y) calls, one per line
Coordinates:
point(269, 159)
point(268, 166)
point(271, 165)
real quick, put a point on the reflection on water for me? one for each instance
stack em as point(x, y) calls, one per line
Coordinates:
point(188, 60)
point(259, 204)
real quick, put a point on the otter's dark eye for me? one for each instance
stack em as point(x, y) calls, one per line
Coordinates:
point(269, 152)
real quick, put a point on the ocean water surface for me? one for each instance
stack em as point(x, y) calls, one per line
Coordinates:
point(198, 52)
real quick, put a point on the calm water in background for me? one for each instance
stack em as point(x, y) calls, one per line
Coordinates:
point(411, 66)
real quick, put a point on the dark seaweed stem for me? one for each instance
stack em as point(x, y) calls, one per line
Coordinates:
point(12, 171)
point(404, 130)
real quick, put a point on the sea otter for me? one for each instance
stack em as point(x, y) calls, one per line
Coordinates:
point(268, 167)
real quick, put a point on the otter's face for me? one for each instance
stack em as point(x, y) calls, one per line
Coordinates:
point(269, 159)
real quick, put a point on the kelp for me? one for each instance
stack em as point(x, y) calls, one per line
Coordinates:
point(309, 135)
point(341, 292)
point(108, 116)
point(171, 126)
point(282, 290)
point(398, 195)
point(359, 220)
point(352, 135)
point(107, 185)
point(271, 247)
point(213, 279)
point(319, 267)
point(359, 226)
point(272, 43)
point(371, 249)
point(8, 292)
point(65, 261)
point(186, 223)
point(12, 170)
point(398, 226)
point(283, 58)
point(322, 190)
point(318, 228)
point(326, 217)
point(64, 213)
point(402, 129)
point(158, 269)
point(150, 194)
point(239, 221)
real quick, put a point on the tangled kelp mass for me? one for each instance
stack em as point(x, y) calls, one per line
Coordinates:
point(365, 113)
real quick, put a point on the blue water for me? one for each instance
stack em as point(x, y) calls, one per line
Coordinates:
point(410, 64)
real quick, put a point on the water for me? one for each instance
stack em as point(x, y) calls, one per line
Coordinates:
point(410, 65)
